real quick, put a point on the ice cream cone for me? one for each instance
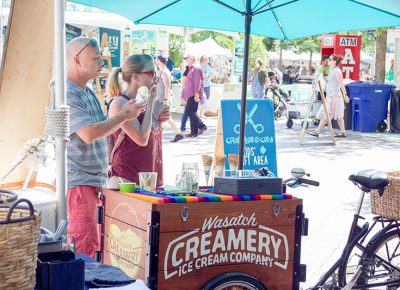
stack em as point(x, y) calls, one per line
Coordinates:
point(207, 173)
point(219, 171)
point(220, 166)
point(207, 162)
point(233, 160)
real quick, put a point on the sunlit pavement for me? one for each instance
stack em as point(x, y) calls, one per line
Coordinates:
point(329, 207)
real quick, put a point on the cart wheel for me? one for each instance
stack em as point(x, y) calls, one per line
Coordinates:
point(278, 115)
point(234, 280)
point(302, 124)
point(382, 126)
point(316, 122)
point(289, 123)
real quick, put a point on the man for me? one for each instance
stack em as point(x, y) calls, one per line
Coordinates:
point(192, 92)
point(87, 150)
point(321, 74)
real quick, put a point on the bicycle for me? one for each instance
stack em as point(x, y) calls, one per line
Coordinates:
point(367, 264)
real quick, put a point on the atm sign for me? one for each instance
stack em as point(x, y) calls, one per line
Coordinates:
point(348, 41)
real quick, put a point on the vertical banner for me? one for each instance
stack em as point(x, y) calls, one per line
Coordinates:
point(114, 42)
point(260, 146)
point(238, 64)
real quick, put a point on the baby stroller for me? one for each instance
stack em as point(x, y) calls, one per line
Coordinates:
point(279, 97)
point(303, 105)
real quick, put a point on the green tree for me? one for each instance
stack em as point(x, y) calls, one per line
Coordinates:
point(225, 41)
point(310, 45)
point(176, 49)
point(256, 50)
point(269, 43)
point(283, 45)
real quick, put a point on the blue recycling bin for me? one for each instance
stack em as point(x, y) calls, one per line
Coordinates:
point(369, 105)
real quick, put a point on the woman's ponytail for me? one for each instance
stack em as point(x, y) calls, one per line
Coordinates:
point(113, 86)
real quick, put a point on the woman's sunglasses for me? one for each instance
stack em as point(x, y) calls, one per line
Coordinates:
point(149, 72)
point(92, 42)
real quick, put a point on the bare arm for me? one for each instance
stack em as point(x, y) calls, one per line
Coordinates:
point(166, 78)
point(339, 78)
point(138, 132)
point(102, 129)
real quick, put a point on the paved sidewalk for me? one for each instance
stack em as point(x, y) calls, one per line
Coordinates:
point(329, 207)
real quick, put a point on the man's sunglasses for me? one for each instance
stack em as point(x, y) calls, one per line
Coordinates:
point(92, 42)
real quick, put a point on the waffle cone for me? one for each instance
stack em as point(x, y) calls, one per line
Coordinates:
point(233, 159)
point(220, 160)
point(207, 160)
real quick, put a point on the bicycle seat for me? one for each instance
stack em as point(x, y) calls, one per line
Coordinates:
point(370, 179)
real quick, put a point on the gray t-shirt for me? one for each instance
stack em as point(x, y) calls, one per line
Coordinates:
point(87, 163)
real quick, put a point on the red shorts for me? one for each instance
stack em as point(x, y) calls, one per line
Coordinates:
point(82, 202)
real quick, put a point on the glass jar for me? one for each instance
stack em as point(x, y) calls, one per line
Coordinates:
point(190, 176)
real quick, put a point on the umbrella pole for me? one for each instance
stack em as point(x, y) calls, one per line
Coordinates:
point(247, 27)
point(60, 100)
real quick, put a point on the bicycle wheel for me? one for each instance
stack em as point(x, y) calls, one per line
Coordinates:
point(387, 247)
point(234, 281)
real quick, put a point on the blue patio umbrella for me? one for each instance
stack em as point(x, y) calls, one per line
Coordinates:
point(282, 19)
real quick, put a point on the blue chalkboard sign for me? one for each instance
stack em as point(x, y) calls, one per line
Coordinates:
point(114, 41)
point(260, 146)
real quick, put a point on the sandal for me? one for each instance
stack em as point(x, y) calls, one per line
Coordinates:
point(313, 133)
point(340, 135)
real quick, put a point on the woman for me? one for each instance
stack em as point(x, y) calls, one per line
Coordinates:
point(259, 80)
point(206, 83)
point(334, 100)
point(134, 148)
point(163, 93)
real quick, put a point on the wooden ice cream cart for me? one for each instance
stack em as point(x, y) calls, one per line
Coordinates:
point(186, 242)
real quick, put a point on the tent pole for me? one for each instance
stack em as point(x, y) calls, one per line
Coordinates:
point(60, 100)
point(247, 27)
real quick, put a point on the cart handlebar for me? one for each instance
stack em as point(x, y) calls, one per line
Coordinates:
point(297, 179)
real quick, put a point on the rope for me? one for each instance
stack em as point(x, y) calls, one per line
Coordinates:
point(57, 119)
point(57, 122)
point(24, 153)
point(57, 125)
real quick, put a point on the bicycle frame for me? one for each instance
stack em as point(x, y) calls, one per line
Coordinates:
point(357, 236)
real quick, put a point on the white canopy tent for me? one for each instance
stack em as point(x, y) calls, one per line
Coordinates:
point(207, 47)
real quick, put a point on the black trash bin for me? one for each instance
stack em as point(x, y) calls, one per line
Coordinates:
point(395, 112)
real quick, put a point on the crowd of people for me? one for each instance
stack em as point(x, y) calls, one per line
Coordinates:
point(103, 149)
